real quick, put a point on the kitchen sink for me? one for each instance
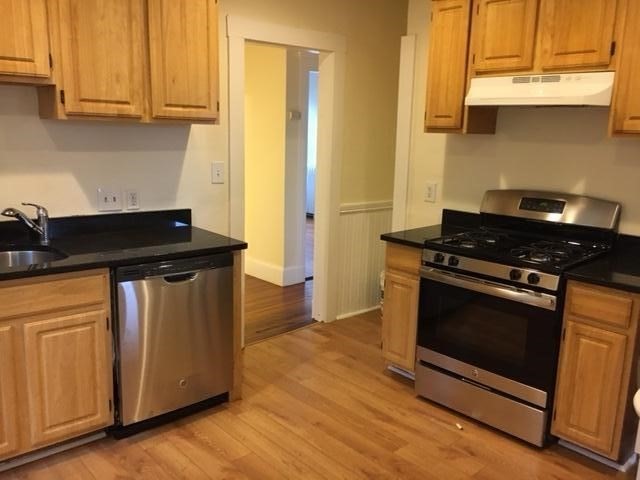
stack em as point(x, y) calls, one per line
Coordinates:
point(31, 256)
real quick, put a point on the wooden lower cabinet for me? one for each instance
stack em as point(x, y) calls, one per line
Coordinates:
point(400, 309)
point(9, 439)
point(594, 388)
point(56, 378)
point(399, 324)
point(68, 376)
point(593, 361)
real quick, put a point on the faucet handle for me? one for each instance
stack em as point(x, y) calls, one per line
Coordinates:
point(41, 209)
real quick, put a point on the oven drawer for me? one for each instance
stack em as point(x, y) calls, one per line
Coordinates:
point(500, 412)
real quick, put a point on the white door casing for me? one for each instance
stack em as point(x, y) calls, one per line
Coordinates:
point(332, 50)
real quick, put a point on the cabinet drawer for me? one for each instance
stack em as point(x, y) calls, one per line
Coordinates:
point(49, 293)
point(403, 258)
point(599, 304)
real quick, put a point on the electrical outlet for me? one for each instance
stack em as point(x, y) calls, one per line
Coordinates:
point(132, 200)
point(431, 192)
point(217, 172)
point(109, 200)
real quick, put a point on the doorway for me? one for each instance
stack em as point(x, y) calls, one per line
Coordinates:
point(279, 188)
point(329, 152)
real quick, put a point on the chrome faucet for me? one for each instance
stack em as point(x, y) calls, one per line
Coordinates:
point(41, 227)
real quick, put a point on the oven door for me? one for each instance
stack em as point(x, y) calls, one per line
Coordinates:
point(488, 333)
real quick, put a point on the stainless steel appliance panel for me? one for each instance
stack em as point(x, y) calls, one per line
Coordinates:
point(518, 419)
point(175, 334)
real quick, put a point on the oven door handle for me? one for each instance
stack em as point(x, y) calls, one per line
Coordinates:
point(536, 299)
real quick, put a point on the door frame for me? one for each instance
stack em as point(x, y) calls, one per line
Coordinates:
point(332, 50)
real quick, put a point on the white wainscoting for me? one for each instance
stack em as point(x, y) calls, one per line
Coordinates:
point(361, 255)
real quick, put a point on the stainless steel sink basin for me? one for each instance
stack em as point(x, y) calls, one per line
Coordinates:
point(27, 257)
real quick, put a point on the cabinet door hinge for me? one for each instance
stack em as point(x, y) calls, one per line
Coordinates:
point(62, 97)
point(432, 16)
point(613, 48)
point(564, 333)
point(50, 61)
point(218, 106)
point(108, 324)
point(478, 9)
point(473, 59)
point(110, 405)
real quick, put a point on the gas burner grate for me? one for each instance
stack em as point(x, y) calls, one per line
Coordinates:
point(474, 239)
point(548, 252)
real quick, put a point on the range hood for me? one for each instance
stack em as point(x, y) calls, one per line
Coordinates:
point(580, 88)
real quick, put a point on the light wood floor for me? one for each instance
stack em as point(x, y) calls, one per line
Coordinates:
point(319, 404)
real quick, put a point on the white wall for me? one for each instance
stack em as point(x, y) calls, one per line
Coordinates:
point(563, 149)
point(61, 164)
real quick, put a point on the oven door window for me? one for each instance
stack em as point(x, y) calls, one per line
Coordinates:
point(512, 339)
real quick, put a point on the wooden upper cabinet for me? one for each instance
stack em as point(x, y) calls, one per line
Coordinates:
point(183, 58)
point(503, 34)
point(68, 373)
point(446, 77)
point(625, 110)
point(24, 42)
point(589, 387)
point(102, 49)
point(576, 33)
point(9, 440)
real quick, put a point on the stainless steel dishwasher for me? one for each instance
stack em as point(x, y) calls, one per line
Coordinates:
point(175, 334)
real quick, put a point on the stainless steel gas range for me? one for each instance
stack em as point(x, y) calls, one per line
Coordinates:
point(490, 308)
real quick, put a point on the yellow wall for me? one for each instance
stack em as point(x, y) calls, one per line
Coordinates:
point(563, 149)
point(265, 129)
point(60, 164)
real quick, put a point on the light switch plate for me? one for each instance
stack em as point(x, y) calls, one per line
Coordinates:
point(217, 172)
point(431, 192)
point(132, 199)
point(109, 199)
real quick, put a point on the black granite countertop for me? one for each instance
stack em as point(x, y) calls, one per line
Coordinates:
point(453, 221)
point(113, 240)
point(619, 268)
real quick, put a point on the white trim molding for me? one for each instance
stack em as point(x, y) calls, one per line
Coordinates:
point(272, 273)
point(332, 68)
point(403, 131)
point(366, 206)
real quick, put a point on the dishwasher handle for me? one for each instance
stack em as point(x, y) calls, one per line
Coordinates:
point(180, 278)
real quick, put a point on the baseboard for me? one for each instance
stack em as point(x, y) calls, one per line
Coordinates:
point(49, 451)
point(358, 312)
point(272, 273)
point(622, 467)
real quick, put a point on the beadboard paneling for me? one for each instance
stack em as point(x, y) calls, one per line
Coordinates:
point(361, 257)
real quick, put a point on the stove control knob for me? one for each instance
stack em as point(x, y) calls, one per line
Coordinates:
point(453, 261)
point(515, 274)
point(533, 278)
point(438, 258)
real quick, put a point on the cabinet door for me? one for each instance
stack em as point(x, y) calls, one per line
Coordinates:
point(589, 381)
point(102, 56)
point(626, 102)
point(67, 369)
point(399, 319)
point(504, 34)
point(9, 442)
point(446, 71)
point(183, 45)
point(577, 33)
point(24, 43)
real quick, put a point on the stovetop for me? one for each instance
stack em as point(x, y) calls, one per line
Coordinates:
point(544, 253)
